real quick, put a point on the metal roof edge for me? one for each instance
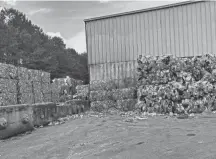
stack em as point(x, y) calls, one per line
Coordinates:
point(145, 10)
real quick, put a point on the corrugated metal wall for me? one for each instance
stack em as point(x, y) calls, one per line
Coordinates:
point(185, 30)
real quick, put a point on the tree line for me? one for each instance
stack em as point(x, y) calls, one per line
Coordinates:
point(23, 43)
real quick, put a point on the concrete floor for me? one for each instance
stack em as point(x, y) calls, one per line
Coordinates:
point(112, 137)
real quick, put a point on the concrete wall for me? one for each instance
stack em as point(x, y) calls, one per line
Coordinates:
point(17, 119)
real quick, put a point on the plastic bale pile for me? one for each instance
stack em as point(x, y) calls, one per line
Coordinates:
point(118, 99)
point(8, 84)
point(8, 71)
point(82, 92)
point(102, 85)
point(178, 85)
point(24, 86)
point(45, 86)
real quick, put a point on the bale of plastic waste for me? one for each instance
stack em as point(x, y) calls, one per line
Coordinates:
point(126, 93)
point(102, 85)
point(126, 104)
point(100, 95)
point(176, 85)
point(103, 106)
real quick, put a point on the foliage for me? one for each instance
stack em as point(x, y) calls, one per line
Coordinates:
point(24, 43)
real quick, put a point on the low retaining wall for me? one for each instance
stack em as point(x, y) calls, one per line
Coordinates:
point(16, 119)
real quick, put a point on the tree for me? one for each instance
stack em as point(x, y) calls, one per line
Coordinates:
point(20, 39)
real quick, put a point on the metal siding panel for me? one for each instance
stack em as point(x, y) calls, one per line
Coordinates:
point(204, 34)
point(142, 33)
point(199, 31)
point(116, 70)
point(114, 55)
point(96, 43)
point(163, 31)
point(100, 49)
point(208, 27)
point(154, 29)
point(151, 34)
point(189, 30)
point(103, 39)
point(130, 38)
point(89, 42)
point(108, 71)
point(111, 35)
point(213, 18)
point(159, 32)
point(167, 31)
point(127, 39)
point(176, 31)
point(172, 42)
point(122, 38)
point(102, 77)
point(134, 44)
point(185, 31)
point(181, 31)
point(147, 43)
point(194, 30)
point(117, 55)
point(138, 36)
point(93, 42)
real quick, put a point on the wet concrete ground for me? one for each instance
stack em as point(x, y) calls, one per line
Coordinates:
point(113, 137)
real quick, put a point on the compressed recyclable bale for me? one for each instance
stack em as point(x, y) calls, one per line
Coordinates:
point(103, 106)
point(8, 99)
point(8, 71)
point(45, 76)
point(168, 84)
point(26, 98)
point(47, 97)
point(102, 85)
point(126, 93)
point(45, 87)
point(8, 85)
point(126, 104)
point(101, 95)
point(82, 88)
point(25, 86)
point(55, 97)
point(34, 75)
point(38, 97)
point(127, 83)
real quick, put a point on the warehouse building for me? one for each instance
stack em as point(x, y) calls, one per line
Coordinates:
point(114, 42)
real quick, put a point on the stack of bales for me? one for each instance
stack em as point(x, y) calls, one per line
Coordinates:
point(55, 88)
point(19, 85)
point(179, 85)
point(8, 84)
point(104, 96)
point(64, 88)
point(24, 91)
point(45, 86)
point(82, 92)
point(34, 86)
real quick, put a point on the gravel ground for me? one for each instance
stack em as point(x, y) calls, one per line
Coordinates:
point(118, 136)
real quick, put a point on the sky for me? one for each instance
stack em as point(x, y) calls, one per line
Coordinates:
point(65, 18)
